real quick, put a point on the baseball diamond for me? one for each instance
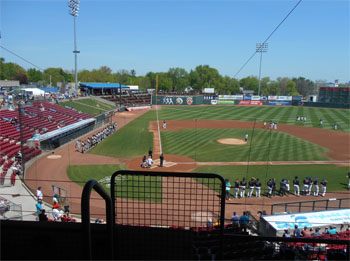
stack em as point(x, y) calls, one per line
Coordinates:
point(189, 143)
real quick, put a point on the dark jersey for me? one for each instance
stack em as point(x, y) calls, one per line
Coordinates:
point(324, 183)
point(316, 182)
point(243, 183)
point(296, 182)
point(269, 183)
point(236, 184)
point(258, 183)
point(251, 183)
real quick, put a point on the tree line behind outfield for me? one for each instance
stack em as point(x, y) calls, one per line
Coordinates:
point(175, 79)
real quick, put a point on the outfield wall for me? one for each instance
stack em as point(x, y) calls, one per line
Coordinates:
point(247, 100)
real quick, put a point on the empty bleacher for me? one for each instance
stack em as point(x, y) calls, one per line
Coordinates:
point(130, 100)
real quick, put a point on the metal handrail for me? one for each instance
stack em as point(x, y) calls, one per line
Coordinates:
point(300, 203)
point(85, 218)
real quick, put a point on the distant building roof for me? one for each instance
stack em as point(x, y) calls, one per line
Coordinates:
point(49, 89)
point(95, 85)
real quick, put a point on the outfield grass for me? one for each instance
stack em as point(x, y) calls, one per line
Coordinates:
point(130, 141)
point(127, 186)
point(88, 106)
point(263, 145)
point(335, 175)
point(286, 115)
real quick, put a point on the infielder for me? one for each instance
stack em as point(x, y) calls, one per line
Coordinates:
point(246, 137)
point(164, 124)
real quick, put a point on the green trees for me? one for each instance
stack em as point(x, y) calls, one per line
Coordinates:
point(175, 79)
point(12, 71)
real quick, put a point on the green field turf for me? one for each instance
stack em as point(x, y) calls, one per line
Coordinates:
point(134, 140)
point(263, 145)
point(130, 141)
point(335, 175)
point(145, 188)
point(286, 115)
point(88, 106)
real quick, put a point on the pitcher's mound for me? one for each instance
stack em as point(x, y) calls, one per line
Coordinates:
point(230, 141)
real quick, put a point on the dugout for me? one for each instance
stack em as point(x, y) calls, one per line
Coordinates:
point(56, 138)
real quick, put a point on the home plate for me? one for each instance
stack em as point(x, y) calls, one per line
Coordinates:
point(166, 164)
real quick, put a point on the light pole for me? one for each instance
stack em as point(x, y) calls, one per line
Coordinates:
point(74, 6)
point(261, 48)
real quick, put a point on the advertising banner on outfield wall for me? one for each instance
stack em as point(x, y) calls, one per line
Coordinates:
point(226, 102)
point(254, 103)
point(247, 97)
point(214, 102)
point(284, 98)
point(230, 97)
point(255, 98)
point(279, 103)
point(177, 100)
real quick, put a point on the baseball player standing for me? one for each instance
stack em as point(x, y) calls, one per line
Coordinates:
point(251, 184)
point(246, 137)
point(323, 187)
point(257, 188)
point(310, 186)
point(243, 186)
point(236, 188)
point(269, 188)
point(296, 186)
point(164, 124)
point(305, 186)
point(316, 187)
point(348, 176)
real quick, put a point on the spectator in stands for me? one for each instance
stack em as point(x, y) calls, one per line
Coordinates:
point(13, 176)
point(235, 221)
point(243, 222)
point(286, 233)
point(39, 194)
point(42, 215)
point(305, 232)
point(296, 232)
point(332, 230)
point(56, 213)
point(317, 232)
point(39, 206)
point(325, 230)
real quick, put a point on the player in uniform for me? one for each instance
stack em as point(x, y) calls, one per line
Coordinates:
point(310, 186)
point(246, 137)
point(269, 188)
point(257, 188)
point(251, 184)
point(243, 185)
point(164, 124)
point(348, 176)
point(305, 186)
point(236, 188)
point(316, 188)
point(323, 187)
point(296, 186)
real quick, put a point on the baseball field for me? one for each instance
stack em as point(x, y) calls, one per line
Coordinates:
point(193, 142)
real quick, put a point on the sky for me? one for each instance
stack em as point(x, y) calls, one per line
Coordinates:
point(157, 35)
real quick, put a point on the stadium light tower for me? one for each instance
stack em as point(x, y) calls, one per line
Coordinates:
point(74, 6)
point(261, 48)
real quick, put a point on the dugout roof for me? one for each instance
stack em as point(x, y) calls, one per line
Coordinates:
point(95, 85)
